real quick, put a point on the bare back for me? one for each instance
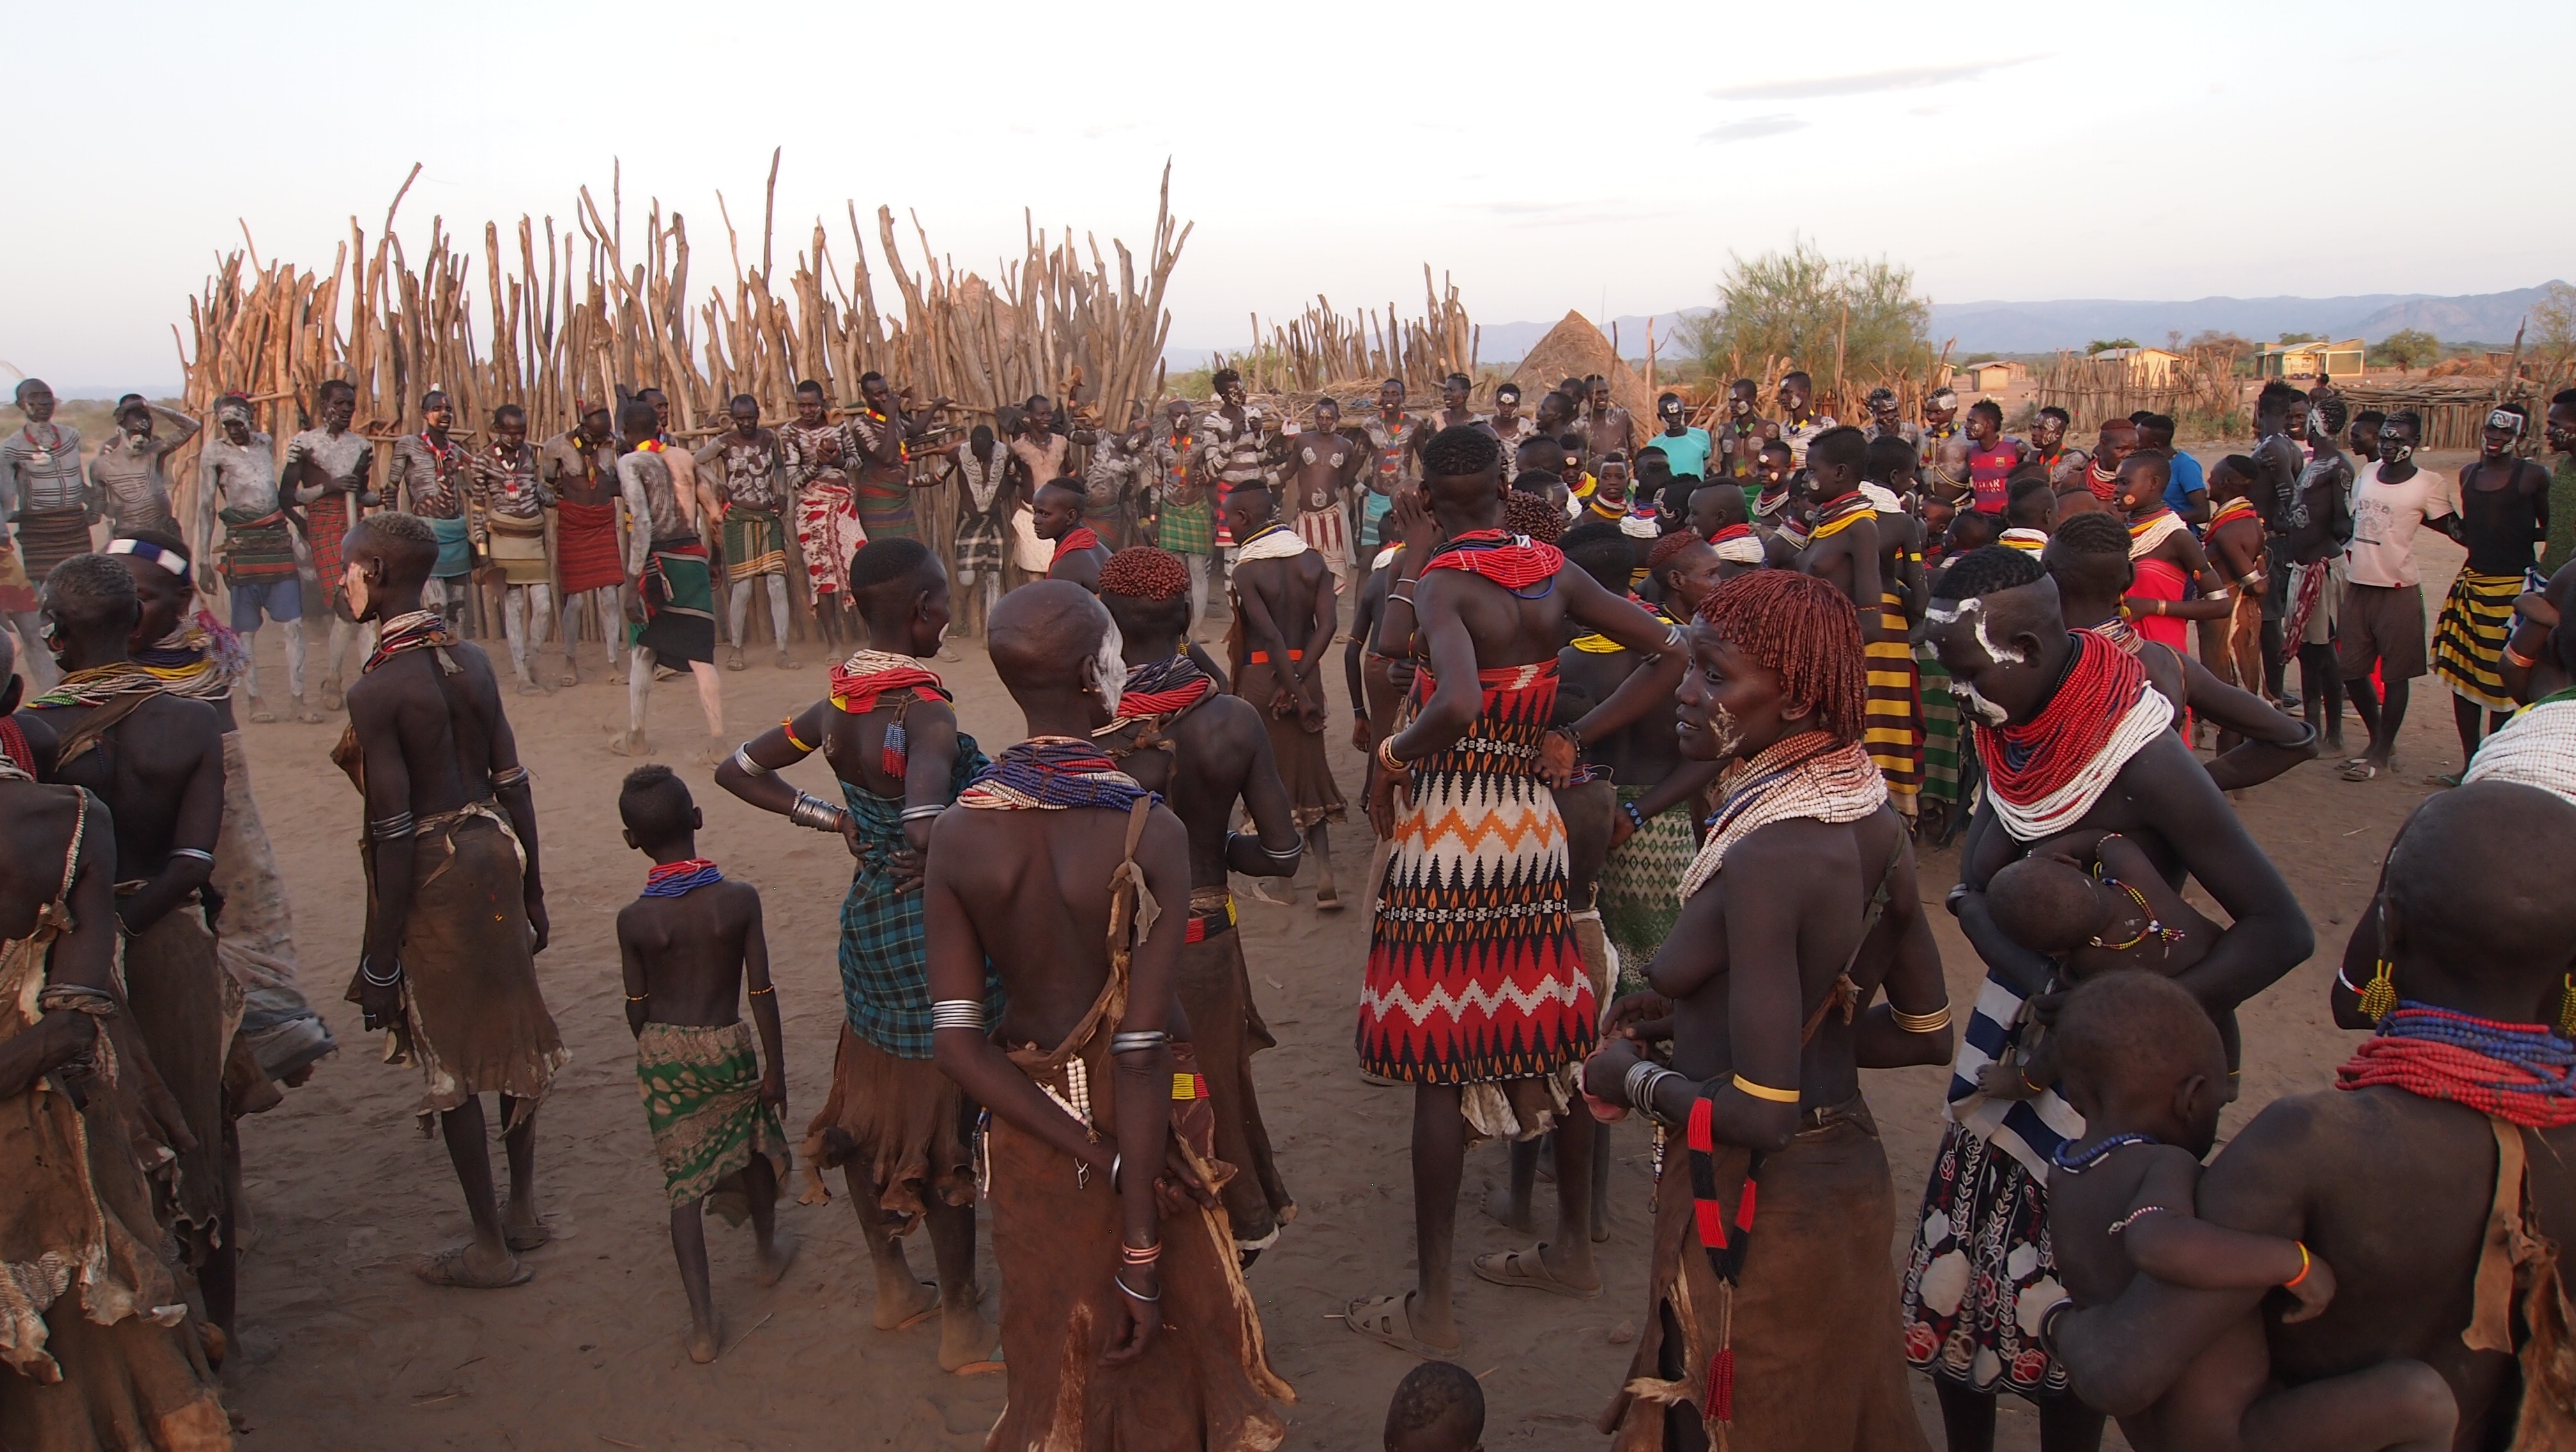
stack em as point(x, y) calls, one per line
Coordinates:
point(1030, 892)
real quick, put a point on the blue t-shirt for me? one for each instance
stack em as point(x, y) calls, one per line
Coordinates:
point(1687, 451)
point(2184, 480)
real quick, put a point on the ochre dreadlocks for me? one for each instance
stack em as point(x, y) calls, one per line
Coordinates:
point(1142, 572)
point(1668, 548)
point(1532, 515)
point(1804, 629)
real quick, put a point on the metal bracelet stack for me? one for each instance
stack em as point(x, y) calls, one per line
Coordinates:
point(742, 761)
point(957, 1013)
point(367, 971)
point(809, 810)
point(1644, 1078)
point(1138, 1041)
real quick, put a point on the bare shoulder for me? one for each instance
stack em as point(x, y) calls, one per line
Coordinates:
point(166, 712)
point(739, 897)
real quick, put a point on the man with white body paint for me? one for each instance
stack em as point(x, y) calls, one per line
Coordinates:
point(2075, 740)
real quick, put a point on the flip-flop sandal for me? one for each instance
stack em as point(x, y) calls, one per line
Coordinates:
point(2445, 778)
point(1382, 1319)
point(1528, 1269)
point(1328, 902)
point(447, 1268)
point(2358, 770)
point(526, 1237)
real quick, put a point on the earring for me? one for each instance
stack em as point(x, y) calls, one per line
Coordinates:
point(2379, 1000)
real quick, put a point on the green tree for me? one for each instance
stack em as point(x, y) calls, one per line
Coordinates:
point(2105, 345)
point(2553, 325)
point(2407, 349)
point(1801, 305)
point(2289, 338)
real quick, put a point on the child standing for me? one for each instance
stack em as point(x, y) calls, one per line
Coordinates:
point(687, 946)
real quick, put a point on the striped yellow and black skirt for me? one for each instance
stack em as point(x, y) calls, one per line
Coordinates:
point(2468, 639)
point(1894, 703)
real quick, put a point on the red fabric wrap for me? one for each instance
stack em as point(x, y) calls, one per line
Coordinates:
point(1082, 538)
point(586, 547)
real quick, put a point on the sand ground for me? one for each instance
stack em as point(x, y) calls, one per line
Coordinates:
point(342, 1347)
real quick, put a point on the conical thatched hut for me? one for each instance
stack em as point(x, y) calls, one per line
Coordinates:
point(1575, 349)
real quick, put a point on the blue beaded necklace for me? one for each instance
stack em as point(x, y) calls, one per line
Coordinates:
point(2085, 1159)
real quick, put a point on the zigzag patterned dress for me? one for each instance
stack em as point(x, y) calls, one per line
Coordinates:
point(1474, 975)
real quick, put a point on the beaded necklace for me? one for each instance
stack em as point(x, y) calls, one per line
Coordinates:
point(419, 630)
point(679, 879)
point(2516, 1072)
point(2101, 1149)
point(1053, 773)
point(1513, 561)
point(1164, 687)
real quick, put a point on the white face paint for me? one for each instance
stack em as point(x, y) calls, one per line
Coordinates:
point(2001, 654)
point(1969, 700)
point(1974, 612)
point(353, 584)
point(1111, 661)
point(1725, 733)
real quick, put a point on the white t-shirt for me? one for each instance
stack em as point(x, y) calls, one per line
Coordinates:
point(2385, 518)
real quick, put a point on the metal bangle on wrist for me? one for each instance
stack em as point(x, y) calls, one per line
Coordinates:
point(812, 811)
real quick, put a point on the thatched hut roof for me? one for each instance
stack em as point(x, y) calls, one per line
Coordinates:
point(1574, 348)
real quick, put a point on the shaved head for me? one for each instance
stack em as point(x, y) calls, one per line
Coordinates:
point(1042, 632)
point(93, 595)
point(2135, 1033)
point(2476, 922)
point(403, 542)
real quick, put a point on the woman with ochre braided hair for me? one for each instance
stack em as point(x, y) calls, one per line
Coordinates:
point(1802, 903)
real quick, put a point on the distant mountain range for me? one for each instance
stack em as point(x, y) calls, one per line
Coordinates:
point(2040, 327)
point(2035, 327)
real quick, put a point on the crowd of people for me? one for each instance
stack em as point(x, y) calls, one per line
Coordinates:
point(1654, 723)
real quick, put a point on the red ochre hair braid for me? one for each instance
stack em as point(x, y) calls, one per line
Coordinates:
point(1804, 629)
point(1142, 572)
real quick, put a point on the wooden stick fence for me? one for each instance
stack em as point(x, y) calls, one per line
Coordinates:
point(569, 318)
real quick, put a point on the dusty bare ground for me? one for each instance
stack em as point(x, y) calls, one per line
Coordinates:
point(343, 1348)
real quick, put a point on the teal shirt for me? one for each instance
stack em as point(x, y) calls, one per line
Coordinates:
point(1686, 452)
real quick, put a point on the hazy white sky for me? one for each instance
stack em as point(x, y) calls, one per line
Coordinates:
point(1604, 156)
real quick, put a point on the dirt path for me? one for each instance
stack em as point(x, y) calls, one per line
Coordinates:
point(342, 1347)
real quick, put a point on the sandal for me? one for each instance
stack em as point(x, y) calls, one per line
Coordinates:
point(1528, 1268)
point(1382, 1319)
point(2360, 768)
point(448, 1268)
point(526, 1237)
point(2446, 778)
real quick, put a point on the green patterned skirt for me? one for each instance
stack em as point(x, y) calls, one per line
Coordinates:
point(1187, 529)
point(701, 1089)
point(1641, 888)
point(1942, 741)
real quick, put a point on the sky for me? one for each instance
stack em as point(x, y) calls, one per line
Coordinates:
point(1607, 157)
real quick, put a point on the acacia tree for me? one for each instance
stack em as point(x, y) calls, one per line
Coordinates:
point(2409, 348)
point(2553, 319)
point(1801, 305)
